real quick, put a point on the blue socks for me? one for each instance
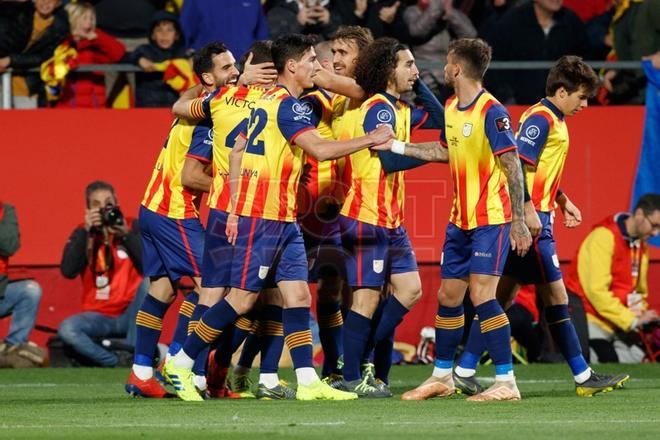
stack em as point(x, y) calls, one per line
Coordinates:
point(330, 332)
point(298, 336)
point(271, 340)
point(149, 324)
point(181, 332)
point(449, 324)
point(496, 331)
point(563, 332)
point(209, 327)
point(474, 347)
point(356, 335)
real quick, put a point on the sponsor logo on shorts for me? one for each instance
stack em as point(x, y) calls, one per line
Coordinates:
point(483, 254)
point(378, 266)
point(263, 271)
point(555, 260)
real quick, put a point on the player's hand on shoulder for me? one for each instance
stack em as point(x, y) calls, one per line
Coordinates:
point(521, 239)
point(262, 73)
point(532, 219)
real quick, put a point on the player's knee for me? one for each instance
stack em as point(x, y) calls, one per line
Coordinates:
point(161, 289)
point(241, 302)
point(365, 303)
point(448, 298)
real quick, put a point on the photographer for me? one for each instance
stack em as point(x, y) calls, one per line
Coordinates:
point(106, 252)
point(610, 275)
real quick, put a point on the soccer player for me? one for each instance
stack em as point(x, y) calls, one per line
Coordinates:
point(487, 207)
point(543, 142)
point(267, 239)
point(372, 214)
point(172, 234)
point(228, 108)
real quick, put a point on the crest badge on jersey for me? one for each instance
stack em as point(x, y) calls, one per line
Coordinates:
point(378, 266)
point(467, 129)
point(263, 272)
point(384, 116)
point(532, 132)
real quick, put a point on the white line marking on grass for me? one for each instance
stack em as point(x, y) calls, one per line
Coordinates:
point(169, 425)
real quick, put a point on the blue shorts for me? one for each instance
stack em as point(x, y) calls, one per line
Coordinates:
point(267, 250)
point(540, 265)
point(373, 253)
point(482, 250)
point(170, 247)
point(218, 253)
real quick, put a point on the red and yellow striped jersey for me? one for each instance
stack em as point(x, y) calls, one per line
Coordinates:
point(271, 164)
point(165, 194)
point(475, 136)
point(323, 185)
point(543, 144)
point(374, 196)
point(229, 109)
point(345, 115)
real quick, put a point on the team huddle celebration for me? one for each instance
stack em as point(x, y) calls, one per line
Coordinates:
point(303, 153)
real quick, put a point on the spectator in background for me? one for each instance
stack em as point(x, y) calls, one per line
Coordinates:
point(385, 19)
point(35, 29)
point(490, 14)
point(165, 43)
point(18, 298)
point(351, 12)
point(636, 33)
point(236, 24)
point(106, 253)
point(432, 25)
point(536, 31)
point(93, 46)
point(127, 20)
point(609, 274)
point(311, 17)
point(588, 9)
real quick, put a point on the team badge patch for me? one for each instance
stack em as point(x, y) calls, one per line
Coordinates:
point(302, 108)
point(467, 129)
point(384, 116)
point(378, 266)
point(263, 271)
point(532, 132)
point(503, 124)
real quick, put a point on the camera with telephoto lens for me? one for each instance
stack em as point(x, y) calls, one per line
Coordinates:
point(111, 215)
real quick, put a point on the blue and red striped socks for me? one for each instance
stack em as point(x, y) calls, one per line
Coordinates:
point(186, 311)
point(330, 332)
point(449, 323)
point(298, 336)
point(496, 331)
point(149, 324)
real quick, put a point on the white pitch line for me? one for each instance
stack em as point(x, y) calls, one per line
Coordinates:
point(444, 422)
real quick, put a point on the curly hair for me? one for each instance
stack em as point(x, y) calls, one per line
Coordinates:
point(377, 63)
point(570, 72)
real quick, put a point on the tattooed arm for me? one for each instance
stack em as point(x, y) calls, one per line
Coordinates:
point(521, 239)
point(427, 151)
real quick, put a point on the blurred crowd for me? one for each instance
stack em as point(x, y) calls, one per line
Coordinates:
point(57, 36)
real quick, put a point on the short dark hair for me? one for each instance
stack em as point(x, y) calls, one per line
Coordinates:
point(203, 58)
point(290, 47)
point(649, 203)
point(377, 63)
point(475, 55)
point(362, 36)
point(96, 186)
point(570, 72)
point(260, 53)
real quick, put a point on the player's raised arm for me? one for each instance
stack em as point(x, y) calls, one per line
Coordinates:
point(183, 107)
point(342, 85)
point(322, 149)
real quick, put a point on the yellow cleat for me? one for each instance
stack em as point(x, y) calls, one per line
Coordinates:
point(182, 380)
point(318, 390)
point(600, 383)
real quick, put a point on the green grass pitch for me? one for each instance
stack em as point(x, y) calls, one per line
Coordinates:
point(91, 403)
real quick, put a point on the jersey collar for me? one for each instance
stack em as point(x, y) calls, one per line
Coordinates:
point(474, 101)
point(553, 108)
